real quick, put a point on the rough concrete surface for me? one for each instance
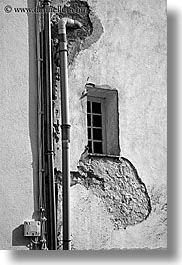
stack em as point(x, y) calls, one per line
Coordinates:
point(110, 207)
point(116, 184)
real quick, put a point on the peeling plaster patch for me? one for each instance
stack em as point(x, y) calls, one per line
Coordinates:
point(96, 33)
point(116, 182)
point(78, 39)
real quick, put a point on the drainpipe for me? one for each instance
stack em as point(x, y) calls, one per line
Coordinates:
point(65, 128)
point(51, 206)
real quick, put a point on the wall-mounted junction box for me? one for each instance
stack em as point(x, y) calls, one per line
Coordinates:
point(32, 228)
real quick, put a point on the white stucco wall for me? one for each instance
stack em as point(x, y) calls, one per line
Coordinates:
point(18, 124)
point(131, 57)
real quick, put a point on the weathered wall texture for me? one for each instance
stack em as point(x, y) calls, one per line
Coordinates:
point(116, 183)
point(129, 55)
point(115, 202)
point(18, 124)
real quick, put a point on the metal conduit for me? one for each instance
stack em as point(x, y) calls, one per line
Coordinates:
point(45, 130)
point(52, 231)
point(42, 242)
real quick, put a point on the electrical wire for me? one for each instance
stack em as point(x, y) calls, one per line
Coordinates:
point(41, 163)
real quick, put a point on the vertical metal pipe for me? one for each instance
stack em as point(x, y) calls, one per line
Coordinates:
point(65, 143)
point(65, 128)
point(52, 236)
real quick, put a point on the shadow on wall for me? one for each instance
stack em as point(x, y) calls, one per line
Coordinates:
point(18, 238)
point(173, 22)
point(33, 102)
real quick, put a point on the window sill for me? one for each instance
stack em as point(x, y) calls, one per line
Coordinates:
point(103, 155)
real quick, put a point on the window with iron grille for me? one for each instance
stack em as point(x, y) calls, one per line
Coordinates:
point(102, 120)
point(96, 125)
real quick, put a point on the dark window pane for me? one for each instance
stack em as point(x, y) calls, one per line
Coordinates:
point(89, 146)
point(97, 134)
point(89, 133)
point(97, 121)
point(88, 120)
point(88, 107)
point(98, 147)
point(96, 107)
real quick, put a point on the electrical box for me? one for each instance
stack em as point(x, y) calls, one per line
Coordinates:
point(32, 228)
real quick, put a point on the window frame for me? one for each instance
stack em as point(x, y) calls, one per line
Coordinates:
point(103, 127)
point(111, 112)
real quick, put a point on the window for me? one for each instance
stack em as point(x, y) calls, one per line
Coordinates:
point(95, 125)
point(102, 120)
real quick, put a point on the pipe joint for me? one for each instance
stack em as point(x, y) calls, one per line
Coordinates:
point(65, 132)
point(67, 22)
